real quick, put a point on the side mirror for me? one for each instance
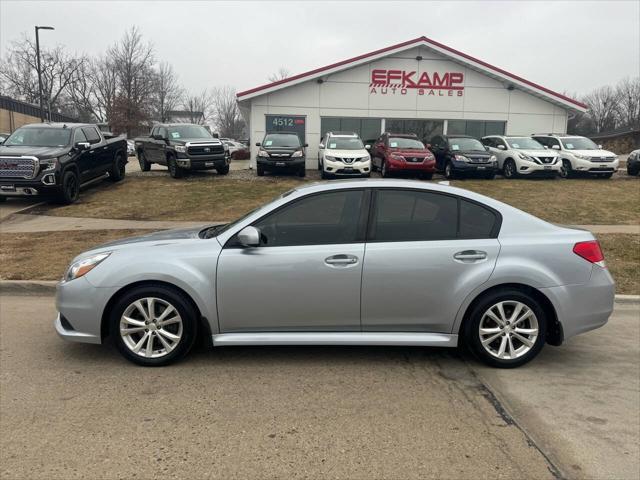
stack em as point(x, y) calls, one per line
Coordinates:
point(502, 147)
point(81, 146)
point(556, 147)
point(305, 145)
point(600, 147)
point(367, 146)
point(249, 237)
point(321, 146)
point(258, 144)
point(545, 147)
point(157, 137)
point(429, 146)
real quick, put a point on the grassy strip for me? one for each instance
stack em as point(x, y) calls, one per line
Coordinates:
point(44, 256)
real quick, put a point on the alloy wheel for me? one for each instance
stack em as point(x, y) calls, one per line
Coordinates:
point(151, 327)
point(508, 330)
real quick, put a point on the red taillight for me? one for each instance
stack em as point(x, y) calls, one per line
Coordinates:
point(590, 251)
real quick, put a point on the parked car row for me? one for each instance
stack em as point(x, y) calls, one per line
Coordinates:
point(344, 154)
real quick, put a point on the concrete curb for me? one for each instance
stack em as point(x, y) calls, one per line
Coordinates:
point(46, 287)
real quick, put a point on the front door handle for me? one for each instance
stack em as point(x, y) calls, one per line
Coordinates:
point(341, 260)
point(469, 256)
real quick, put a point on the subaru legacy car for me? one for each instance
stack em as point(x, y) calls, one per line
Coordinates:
point(443, 267)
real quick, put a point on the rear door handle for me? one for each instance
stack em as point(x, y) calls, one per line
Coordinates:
point(341, 260)
point(469, 256)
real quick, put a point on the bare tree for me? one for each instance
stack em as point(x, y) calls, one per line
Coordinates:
point(226, 113)
point(628, 97)
point(198, 106)
point(281, 74)
point(19, 74)
point(168, 92)
point(133, 61)
point(603, 105)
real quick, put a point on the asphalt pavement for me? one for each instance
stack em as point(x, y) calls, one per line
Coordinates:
point(80, 411)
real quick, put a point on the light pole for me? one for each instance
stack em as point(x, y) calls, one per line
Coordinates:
point(39, 70)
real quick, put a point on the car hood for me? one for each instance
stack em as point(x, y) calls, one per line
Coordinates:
point(347, 153)
point(39, 152)
point(539, 153)
point(594, 153)
point(182, 141)
point(479, 153)
point(409, 152)
point(154, 238)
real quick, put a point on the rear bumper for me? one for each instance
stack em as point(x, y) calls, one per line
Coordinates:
point(581, 308)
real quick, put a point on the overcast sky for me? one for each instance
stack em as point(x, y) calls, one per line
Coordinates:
point(566, 46)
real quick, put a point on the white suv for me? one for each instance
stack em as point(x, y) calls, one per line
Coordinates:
point(580, 155)
point(342, 154)
point(523, 156)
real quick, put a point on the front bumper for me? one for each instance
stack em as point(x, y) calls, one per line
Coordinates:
point(269, 163)
point(581, 308)
point(44, 184)
point(346, 169)
point(588, 166)
point(428, 166)
point(474, 168)
point(80, 306)
point(536, 169)
point(202, 162)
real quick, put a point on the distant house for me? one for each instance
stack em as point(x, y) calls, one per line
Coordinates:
point(184, 116)
point(16, 113)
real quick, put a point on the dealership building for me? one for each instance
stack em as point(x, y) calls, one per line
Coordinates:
point(420, 86)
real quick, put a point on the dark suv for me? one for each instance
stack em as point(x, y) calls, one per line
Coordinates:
point(281, 151)
point(463, 155)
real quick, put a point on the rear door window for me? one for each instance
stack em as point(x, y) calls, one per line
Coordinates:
point(476, 221)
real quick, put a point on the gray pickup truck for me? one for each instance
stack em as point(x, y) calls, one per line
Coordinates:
point(182, 147)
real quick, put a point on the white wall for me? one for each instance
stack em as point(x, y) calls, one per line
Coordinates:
point(347, 94)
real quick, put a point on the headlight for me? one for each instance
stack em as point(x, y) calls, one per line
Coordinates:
point(262, 153)
point(84, 266)
point(48, 164)
point(330, 158)
point(583, 157)
point(297, 153)
point(493, 159)
point(524, 156)
point(181, 149)
point(396, 156)
point(461, 158)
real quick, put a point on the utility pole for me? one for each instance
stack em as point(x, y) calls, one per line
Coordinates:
point(39, 68)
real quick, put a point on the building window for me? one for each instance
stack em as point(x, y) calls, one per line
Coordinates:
point(475, 128)
point(367, 128)
point(424, 129)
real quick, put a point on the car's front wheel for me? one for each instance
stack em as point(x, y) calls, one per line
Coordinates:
point(153, 325)
point(70, 191)
point(174, 170)
point(145, 166)
point(506, 328)
point(509, 170)
point(566, 171)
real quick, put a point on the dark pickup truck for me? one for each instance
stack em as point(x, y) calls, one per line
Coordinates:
point(56, 159)
point(182, 147)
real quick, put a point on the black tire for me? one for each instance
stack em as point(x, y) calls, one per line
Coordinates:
point(490, 176)
point(566, 171)
point(449, 172)
point(324, 175)
point(174, 170)
point(319, 165)
point(70, 189)
point(509, 169)
point(3, 198)
point(472, 328)
point(118, 169)
point(260, 170)
point(142, 161)
point(177, 300)
point(302, 172)
point(367, 175)
point(373, 166)
point(223, 170)
point(384, 171)
point(426, 176)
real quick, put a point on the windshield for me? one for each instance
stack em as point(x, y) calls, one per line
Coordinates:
point(188, 131)
point(524, 143)
point(579, 143)
point(466, 144)
point(407, 143)
point(40, 137)
point(282, 140)
point(345, 143)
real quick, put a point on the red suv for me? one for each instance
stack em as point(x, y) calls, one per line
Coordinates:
point(400, 152)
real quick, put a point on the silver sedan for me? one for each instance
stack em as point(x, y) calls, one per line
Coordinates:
point(377, 262)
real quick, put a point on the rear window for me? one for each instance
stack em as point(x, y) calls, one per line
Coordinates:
point(476, 221)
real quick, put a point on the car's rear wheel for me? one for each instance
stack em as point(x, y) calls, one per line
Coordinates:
point(153, 325)
point(145, 166)
point(509, 170)
point(506, 328)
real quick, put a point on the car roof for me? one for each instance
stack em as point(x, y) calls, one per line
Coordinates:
point(58, 125)
point(401, 135)
point(281, 133)
point(460, 136)
point(343, 134)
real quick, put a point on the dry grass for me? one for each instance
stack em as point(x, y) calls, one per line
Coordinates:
point(571, 202)
point(45, 255)
point(213, 198)
point(622, 254)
